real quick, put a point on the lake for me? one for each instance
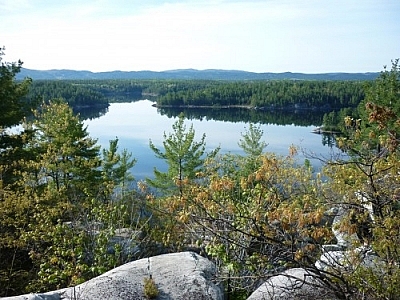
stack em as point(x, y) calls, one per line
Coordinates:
point(136, 123)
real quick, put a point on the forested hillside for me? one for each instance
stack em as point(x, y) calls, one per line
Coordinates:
point(187, 74)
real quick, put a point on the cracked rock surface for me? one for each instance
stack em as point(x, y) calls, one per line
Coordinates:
point(184, 275)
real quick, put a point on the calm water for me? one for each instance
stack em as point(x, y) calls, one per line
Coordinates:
point(136, 123)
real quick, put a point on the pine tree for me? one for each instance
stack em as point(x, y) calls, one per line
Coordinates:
point(183, 155)
point(116, 166)
point(13, 108)
point(251, 142)
point(68, 158)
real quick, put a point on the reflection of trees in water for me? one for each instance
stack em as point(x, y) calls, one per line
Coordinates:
point(278, 117)
point(90, 113)
point(329, 139)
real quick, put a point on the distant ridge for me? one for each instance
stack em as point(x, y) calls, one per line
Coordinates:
point(211, 74)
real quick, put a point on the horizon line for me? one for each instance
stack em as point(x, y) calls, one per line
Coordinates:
point(200, 70)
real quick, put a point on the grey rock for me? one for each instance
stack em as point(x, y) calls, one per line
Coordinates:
point(42, 296)
point(333, 260)
point(349, 260)
point(342, 256)
point(293, 284)
point(50, 296)
point(184, 275)
point(344, 239)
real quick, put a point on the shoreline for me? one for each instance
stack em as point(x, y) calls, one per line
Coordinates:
point(287, 108)
point(320, 130)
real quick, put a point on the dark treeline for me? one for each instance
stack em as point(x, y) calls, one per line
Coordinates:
point(90, 113)
point(237, 114)
point(75, 93)
point(88, 93)
point(323, 95)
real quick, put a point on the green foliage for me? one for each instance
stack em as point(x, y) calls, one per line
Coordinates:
point(58, 216)
point(301, 96)
point(253, 147)
point(255, 224)
point(71, 157)
point(368, 180)
point(12, 106)
point(75, 93)
point(264, 94)
point(185, 157)
point(272, 217)
point(116, 166)
point(251, 142)
point(381, 110)
point(150, 288)
point(334, 120)
point(69, 253)
point(13, 209)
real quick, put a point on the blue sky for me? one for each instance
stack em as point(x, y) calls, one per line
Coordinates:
point(309, 36)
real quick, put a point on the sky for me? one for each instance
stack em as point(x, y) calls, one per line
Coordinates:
point(307, 36)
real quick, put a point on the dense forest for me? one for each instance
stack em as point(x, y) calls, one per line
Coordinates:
point(63, 198)
point(326, 95)
point(87, 93)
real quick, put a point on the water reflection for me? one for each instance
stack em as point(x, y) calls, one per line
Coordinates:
point(277, 117)
point(90, 113)
point(329, 139)
point(138, 122)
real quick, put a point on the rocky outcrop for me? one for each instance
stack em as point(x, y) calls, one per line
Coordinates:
point(342, 255)
point(293, 284)
point(184, 275)
point(335, 258)
point(187, 275)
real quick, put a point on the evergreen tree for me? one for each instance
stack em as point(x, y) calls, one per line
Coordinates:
point(251, 142)
point(13, 208)
point(12, 105)
point(184, 156)
point(380, 110)
point(253, 147)
point(116, 166)
point(13, 108)
point(65, 198)
point(68, 157)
